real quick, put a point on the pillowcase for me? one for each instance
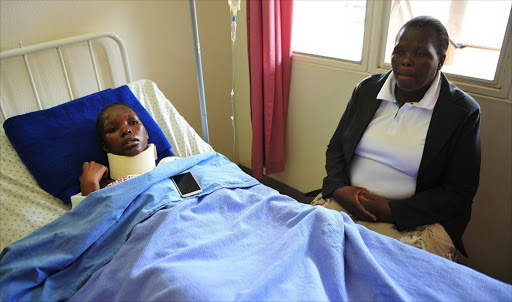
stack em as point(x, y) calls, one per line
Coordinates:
point(54, 143)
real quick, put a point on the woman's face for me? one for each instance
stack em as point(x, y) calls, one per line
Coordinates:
point(124, 133)
point(414, 60)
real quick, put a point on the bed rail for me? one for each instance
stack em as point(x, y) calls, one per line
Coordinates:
point(24, 51)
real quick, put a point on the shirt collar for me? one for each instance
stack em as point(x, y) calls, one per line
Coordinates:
point(387, 92)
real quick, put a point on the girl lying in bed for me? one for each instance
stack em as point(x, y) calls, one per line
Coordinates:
point(125, 140)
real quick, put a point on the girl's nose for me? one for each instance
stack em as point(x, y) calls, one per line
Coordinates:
point(126, 131)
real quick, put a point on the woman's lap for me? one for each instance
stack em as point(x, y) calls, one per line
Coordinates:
point(432, 238)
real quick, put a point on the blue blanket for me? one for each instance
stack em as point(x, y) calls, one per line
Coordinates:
point(237, 240)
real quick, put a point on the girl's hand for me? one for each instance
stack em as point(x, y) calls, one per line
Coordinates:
point(92, 174)
point(348, 198)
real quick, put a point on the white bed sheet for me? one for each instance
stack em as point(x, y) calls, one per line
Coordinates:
point(25, 207)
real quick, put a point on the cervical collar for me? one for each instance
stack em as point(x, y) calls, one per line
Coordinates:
point(121, 166)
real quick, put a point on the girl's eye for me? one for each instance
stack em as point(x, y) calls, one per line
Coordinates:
point(111, 130)
point(420, 54)
point(134, 122)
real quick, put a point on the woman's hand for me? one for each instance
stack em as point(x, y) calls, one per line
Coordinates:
point(349, 198)
point(92, 174)
point(377, 205)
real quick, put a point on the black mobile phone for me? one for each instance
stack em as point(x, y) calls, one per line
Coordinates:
point(186, 184)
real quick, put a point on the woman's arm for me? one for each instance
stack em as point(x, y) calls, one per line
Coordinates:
point(335, 166)
point(337, 182)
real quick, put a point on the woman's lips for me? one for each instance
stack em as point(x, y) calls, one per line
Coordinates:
point(406, 75)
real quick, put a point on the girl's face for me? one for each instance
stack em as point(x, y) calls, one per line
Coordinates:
point(124, 133)
point(414, 60)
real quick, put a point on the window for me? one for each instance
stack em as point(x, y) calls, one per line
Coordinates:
point(333, 29)
point(476, 30)
point(359, 35)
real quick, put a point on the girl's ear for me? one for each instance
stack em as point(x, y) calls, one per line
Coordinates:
point(105, 148)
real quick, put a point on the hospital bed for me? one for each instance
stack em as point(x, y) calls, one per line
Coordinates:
point(139, 240)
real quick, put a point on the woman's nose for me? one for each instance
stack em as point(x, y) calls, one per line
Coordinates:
point(408, 60)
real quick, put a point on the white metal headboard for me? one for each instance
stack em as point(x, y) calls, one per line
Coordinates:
point(24, 51)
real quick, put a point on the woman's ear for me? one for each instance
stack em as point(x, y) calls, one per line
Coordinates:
point(441, 61)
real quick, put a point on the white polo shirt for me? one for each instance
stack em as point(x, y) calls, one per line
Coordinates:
point(388, 157)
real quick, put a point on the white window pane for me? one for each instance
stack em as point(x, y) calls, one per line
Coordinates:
point(479, 25)
point(330, 28)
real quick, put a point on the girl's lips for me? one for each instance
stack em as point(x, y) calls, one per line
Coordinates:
point(130, 141)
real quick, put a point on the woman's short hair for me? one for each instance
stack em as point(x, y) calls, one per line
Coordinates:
point(100, 130)
point(427, 22)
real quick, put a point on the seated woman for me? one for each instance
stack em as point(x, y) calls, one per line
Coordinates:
point(405, 158)
point(125, 140)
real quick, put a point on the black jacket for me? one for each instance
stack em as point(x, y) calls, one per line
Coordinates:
point(449, 171)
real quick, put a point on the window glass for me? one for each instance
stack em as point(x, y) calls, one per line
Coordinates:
point(333, 29)
point(477, 28)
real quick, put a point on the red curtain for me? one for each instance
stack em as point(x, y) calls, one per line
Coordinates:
point(269, 31)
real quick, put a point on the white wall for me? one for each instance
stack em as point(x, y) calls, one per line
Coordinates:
point(318, 97)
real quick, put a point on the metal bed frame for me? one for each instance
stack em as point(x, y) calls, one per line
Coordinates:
point(24, 51)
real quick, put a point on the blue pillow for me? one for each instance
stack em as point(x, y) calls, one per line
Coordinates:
point(55, 142)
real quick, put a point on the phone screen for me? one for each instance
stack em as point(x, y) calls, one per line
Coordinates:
point(186, 184)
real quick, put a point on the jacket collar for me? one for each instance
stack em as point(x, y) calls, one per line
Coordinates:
point(445, 119)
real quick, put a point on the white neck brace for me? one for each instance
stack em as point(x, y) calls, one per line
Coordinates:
point(121, 166)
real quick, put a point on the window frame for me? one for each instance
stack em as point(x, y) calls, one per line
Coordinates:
point(375, 37)
point(361, 66)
